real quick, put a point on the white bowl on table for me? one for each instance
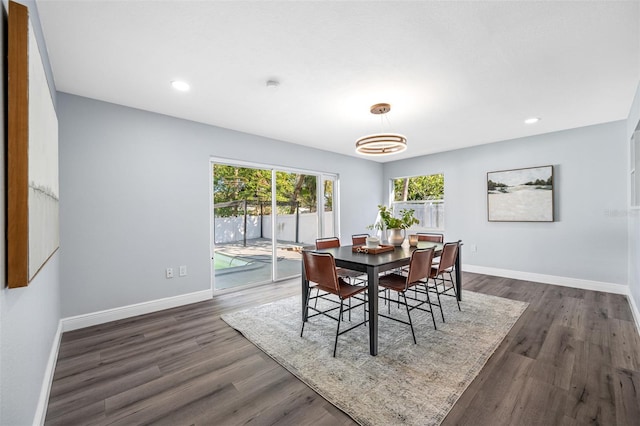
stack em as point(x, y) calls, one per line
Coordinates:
point(372, 242)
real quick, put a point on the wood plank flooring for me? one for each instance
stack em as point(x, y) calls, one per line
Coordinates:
point(573, 358)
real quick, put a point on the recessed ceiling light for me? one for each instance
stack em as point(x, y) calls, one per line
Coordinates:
point(180, 85)
point(272, 84)
point(532, 120)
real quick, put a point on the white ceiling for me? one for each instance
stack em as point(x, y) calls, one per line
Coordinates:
point(457, 74)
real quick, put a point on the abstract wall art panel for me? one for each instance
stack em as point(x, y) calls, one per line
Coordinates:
point(520, 195)
point(32, 156)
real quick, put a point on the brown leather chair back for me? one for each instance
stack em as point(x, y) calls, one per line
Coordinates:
point(420, 265)
point(448, 256)
point(434, 238)
point(320, 268)
point(359, 239)
point(328, 242)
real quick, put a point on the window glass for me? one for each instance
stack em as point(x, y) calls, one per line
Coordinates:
point(328, 216)
point(423, 194)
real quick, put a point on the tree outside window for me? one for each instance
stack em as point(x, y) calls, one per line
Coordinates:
point(423, 194)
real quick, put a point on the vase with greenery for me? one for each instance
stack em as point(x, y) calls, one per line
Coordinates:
point(395, 226)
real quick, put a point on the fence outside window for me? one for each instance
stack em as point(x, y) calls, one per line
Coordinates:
point(430, 213)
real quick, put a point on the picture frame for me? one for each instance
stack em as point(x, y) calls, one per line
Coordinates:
point(33, 234)
point(521, 195)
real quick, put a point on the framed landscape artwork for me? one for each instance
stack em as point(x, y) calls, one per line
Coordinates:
point(520, 195)
point(32, 156)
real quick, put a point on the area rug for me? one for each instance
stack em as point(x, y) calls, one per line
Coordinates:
point(407, 383)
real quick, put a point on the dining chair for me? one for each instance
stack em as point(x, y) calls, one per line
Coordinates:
point(320, 270)
point(430, 236)
point(419, 270)
point(359, 239)
point(446, 266)
point(354, 277)
point(434, 238)
point(327, 242)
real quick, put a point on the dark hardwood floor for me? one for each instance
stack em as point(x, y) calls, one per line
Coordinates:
point(573, 358)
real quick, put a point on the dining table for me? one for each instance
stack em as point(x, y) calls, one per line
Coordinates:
point(372, 265)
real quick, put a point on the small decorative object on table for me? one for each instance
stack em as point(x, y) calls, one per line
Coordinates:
point(413, 240)
point(395, 226)
point(373, 250)
point(372, 242)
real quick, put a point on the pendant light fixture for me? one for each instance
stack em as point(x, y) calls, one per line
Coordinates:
point(381, 143)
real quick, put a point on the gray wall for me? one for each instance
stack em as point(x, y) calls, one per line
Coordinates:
point(28, 316)
point(134, 199)
point(587, 241)
point(634, 215)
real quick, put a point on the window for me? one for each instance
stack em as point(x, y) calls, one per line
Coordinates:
point(423, 194)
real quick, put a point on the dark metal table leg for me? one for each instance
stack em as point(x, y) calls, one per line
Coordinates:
point(459, 271)
point(372, 276)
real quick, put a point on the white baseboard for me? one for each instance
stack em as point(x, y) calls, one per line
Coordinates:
point(550, 279)
point(101, 317)
point(563, 281)
point(43, 401)
point(634, 311)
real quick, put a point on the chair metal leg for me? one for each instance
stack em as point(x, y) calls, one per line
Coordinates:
point(364, 306)
point(431, 310)
point(440, 303)
point(306, 306)
point(335, 345)
point(438, 295)
point(455, 292)
point(406, 305)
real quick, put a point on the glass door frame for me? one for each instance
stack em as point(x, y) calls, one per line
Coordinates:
point(334, 205)
point(320, 176)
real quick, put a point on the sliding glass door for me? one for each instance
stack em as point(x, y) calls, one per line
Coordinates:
point(262, 218)
point(242, 252)
point(296, 220)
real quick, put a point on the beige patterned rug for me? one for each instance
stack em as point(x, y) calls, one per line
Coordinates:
point(405, 384)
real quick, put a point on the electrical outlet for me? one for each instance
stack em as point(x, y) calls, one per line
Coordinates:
point(183, 271)
point(474, 248)
point(169, 272)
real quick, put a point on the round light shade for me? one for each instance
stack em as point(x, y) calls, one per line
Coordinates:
point(381, 144)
